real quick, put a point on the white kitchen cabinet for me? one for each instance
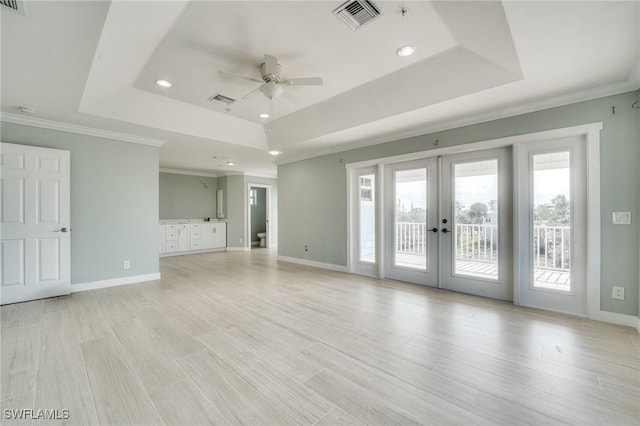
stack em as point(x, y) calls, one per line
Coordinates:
point(163, 229)
point(219, 235)
point(170, 238)
point(206, 236)
point(184, 237)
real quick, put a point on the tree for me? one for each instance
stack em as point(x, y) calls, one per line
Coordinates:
point(556, 213)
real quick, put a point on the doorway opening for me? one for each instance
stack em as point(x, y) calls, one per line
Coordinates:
point(258, 216)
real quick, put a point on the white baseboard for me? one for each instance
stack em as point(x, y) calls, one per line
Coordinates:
point(619, 319)
point(183, 253)
point(305, 262)
point(238, 248)
point(94, 285)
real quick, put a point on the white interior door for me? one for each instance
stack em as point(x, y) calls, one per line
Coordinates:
point(476, 223)
point(411, 216)
point(35, 250)
point(551, 225)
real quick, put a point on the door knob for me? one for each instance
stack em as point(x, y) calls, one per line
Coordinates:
point(65, 230)
point(434, 230)
point(445, 230)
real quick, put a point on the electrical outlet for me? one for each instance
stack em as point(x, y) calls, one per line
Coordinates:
point(126, 264)
point(306, 248)
point(617, 293)
point(240, 240)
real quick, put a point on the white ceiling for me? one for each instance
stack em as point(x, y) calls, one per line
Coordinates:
point(94, 64)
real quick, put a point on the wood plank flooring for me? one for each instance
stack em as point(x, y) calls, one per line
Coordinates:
point(239, 338)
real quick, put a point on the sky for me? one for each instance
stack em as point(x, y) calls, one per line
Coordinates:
point(472, 189)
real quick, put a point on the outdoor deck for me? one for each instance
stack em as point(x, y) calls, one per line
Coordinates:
point(544, 278)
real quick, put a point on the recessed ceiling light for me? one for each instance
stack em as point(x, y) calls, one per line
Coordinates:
point(164, 83)
point(406, 51)
point(274, 152)
point(263, 115)
point(230, 163)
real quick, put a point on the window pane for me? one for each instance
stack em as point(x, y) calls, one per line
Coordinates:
point(367, 219)
point(476, 219)
point(552, 221)
point(411, 218)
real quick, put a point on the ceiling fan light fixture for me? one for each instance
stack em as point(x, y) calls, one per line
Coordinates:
point(407, 50)
point(264, 115)
point(274, 152)
point(164, 83)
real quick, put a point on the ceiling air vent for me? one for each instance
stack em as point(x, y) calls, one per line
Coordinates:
point(16, 5)
point(357, 13)
point(221, 99)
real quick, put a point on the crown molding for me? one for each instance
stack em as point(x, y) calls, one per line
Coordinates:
point(525, 108)
point(76, 128)
point(187, 172)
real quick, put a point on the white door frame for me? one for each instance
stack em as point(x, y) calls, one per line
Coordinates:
point(592, 133)
point(268, 214)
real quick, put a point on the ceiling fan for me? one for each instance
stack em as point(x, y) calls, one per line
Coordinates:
point(272, 81)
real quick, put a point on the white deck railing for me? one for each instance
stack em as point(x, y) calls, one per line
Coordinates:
point(479, 242)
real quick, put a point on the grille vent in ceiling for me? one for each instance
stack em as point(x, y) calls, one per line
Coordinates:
point(16, 5)
point(356, 13)
point(221, 99)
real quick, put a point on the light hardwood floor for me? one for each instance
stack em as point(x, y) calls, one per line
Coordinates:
point(238, 338)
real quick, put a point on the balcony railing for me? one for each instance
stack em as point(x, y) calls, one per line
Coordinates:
point(479, 243)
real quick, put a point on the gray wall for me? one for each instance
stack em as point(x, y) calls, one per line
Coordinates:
point(259, 214)
point(114, 201)
point(185, 197)
point(312, 202)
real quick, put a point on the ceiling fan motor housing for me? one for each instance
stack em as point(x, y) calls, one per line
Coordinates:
point(273, 76)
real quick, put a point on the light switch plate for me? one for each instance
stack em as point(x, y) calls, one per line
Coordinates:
point(622, 218)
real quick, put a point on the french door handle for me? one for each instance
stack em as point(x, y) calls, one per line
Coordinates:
point(434, 230)
point(65, 230)
point(445, 230)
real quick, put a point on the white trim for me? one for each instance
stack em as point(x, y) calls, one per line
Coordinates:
point(271, 217)
point(76, 128)
point(183, 253)
point(238, 248)
point(582, 129)
point(534, 106)
point(594, 245)
point(557, 311)
point(94, 285)
point(615, 318)
point(312, 263)
point(186, 172)
point(638, 326)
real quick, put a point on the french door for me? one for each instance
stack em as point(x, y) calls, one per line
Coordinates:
point(476, 212)
point(551, 225)
point(448, 223)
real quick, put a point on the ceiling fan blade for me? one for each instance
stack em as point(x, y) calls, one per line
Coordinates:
point(290, 97)
point(251, 93)
point(270, 64)
point(244, 77)
point(309, 81)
